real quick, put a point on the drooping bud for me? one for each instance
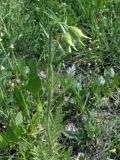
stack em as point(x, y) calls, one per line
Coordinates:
point(78, 34)
point(68, 40)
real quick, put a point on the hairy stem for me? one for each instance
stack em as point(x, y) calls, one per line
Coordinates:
point(50, 70)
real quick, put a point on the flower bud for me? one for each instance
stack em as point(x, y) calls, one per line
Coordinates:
point(78, 34)
point(68, 40)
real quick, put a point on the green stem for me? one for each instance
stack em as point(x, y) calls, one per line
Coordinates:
point(50, 72)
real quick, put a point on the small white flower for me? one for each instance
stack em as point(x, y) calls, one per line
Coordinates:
point(12, 84)
point(70, 127)
point(90, 41)
point(89, 64)
point(80, 155)
point(12, 46)
point(20, 36)
point(42, 74)
point(2, 67)
point(89, 49)
point(68, 99)
point(71, 70)
point(0, 39)
point(1, 34)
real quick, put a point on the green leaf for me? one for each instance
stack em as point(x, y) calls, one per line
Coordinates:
point(22, 67)
point(23, 146)
point(116, 81)
point(70, 135)
point(19, 119)
point(10, 134)
point(20, 101)
point(33, 67)
point(34, 85)
point(34, 82)
point(19, 131)
point(3, 141)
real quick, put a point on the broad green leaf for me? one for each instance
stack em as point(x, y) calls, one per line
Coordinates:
point(3, 141)
point(33, 67)
point(116, 81)
point(22, 67)
point(10, 134)
point(34, 82)
point(19, 119)
point(13, 133)
point(19, 130)
point(20, 101)
point(34, 85)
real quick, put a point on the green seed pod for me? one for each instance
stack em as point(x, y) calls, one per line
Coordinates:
point(78, 34)
point(68, 40)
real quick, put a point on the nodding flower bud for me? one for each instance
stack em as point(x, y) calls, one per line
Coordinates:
point(68, 40)
point(78, 34)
